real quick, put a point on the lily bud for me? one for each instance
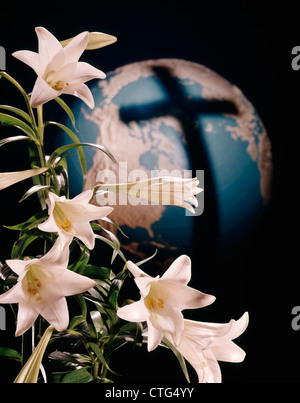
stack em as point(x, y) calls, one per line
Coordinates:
point(97, 40)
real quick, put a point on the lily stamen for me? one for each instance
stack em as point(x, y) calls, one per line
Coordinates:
point(65, 226)
point(59, 85)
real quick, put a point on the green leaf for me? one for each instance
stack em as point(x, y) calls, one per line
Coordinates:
point(99, 355)
point(77, 359)
point(96, 272)
point(99, 326)
point(79, 264)
point(31, 223)
point(11, 354)
point(32, 190)
point(81, 301)
point(113, 245)
point(67, 110)
point(12, 121)
point(110, 221)
point(75, 140)
point(13, 138)
point(22, 91)
point(5, 272)
point(81, 375)
point(115, 288)
point(17, 111)
point(25, 240)
point(60, 178)
point(61, 150)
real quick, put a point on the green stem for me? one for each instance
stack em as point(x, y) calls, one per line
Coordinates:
point(40, 125)
point(104, 369)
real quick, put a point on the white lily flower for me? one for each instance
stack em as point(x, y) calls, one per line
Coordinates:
point(165, 190)
point(204, 344)
point(42, 286)
point(29, 373)
point(58, 69)
point(163, 299)
point(10, 178)
point(71, 217)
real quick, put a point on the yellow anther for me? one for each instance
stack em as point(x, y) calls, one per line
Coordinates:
point(33, 284)
point(152, 302)
point(65, 226)
point(59, 85)
point(160, 303)
point(204, 364)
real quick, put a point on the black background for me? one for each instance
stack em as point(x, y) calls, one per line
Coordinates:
point(249, 43)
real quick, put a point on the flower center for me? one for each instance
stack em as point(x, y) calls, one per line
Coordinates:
point(65, 225)
point(155, 300)
point(33, 283)
point(59, 85)
point(60, 218)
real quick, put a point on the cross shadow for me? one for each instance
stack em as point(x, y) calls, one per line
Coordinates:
point(187, 111)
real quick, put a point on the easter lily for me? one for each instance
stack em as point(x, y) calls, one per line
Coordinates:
point(42, 286)
point(71, 217)
point(58, 69)
point(204, 344)
point(29, 373)
point(163, 299)
point(165, 190)
point(10, 178)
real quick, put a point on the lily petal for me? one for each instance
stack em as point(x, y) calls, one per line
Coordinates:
point(227, 350)
point(188, 297)
point(179, 271)
point(86, 72)
point(74, 283)
point(171, 322)
point(18, 266)
point(74, 49)
point(238, 326)
point(212, 369)
point(42, 93)
point(154, 336)
point(135, 270)
point(32, 59)
point(135, 312)
point(57, 314)
point(11, 296)
point(81, 91)
point(26, 318)
point(48, 46)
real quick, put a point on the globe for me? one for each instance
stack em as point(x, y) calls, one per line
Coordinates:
point(172, 116)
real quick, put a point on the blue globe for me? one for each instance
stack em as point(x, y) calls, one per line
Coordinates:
point(171, 116)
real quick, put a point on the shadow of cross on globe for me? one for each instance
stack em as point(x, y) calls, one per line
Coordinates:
point(188, 111)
